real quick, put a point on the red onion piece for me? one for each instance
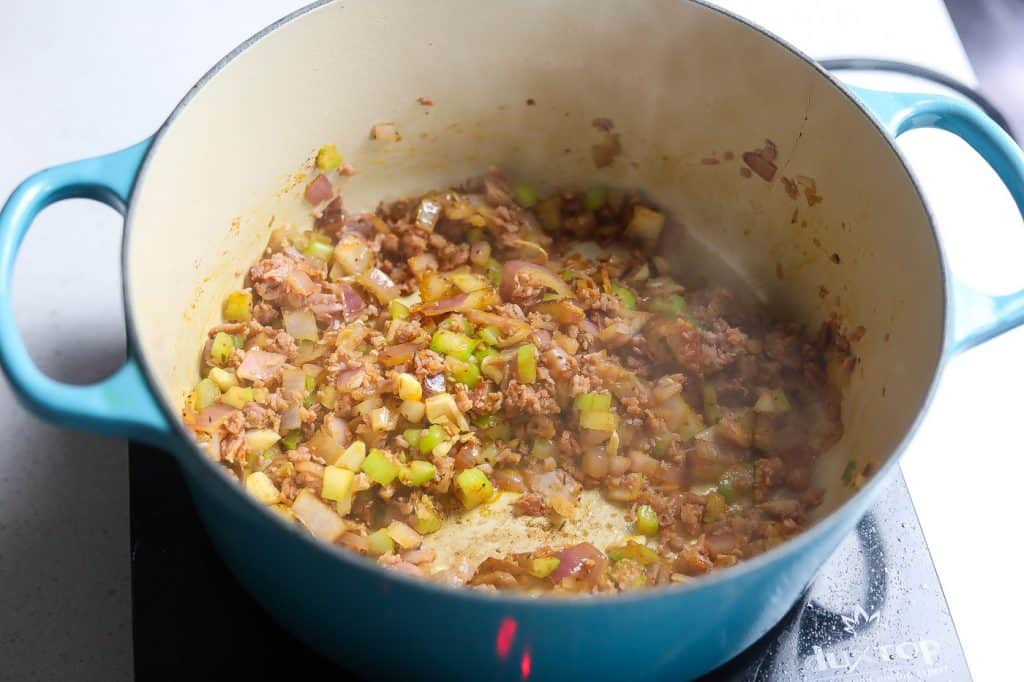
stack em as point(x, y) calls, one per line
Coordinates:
point(760, 165)
point(259, 365)
point(434, 384)
point(211, 417)
point(530, 275)
point(379, 284)
point(350, 379)
point(319, 189)
point(300, 282)
point(443, 306)
point(572, 559)
point(398, 355)
point(422, 263)
point(352, 300)
point(291, 418)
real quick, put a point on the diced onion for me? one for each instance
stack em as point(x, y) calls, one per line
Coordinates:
point(353, 255)
point(301, 324)
point(379, 284)
point(405, 536)
point(316, 516)
point(428, 214)
point(532, 275)
point(422, 263)
point(645, 225)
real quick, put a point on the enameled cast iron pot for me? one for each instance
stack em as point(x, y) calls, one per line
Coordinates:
point(683, 82)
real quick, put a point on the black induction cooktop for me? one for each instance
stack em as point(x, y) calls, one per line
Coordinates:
point(875, 611)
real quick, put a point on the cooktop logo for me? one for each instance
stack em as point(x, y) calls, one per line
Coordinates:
point(867, 657)
point(859, 620)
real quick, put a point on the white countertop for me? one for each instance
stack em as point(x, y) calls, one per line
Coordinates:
point(86, 80)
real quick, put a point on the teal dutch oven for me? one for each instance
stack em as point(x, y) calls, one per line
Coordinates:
point(689, 88)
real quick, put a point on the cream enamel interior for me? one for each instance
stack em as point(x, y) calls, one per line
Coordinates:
point(681, 82)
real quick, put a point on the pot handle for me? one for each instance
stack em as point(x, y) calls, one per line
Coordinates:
point(122, 404)
point(976, 316)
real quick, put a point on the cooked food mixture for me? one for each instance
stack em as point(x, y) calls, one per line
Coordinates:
point(386, 376)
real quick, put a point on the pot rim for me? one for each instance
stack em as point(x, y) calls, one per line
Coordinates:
point(811, 535)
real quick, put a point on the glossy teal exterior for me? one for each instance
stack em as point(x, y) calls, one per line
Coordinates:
point(373, 620)
point(977, 317)
point(122, 404)
point(401, 628)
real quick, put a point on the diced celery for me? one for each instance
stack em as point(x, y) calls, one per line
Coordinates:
point(452, 343)
point(328, 158)
point(262, 488)
point(772, 401)
point(238, 307)
point(585, 402)
point(627, 297)
point(849, 471)
point(352, 458)
point(543, 566)
point(474, 235)
point(379, 468)
point(489, 335)
point(222, 348)
point(646, 520)
point(409, 387)
point(494, 272)
point(310, 382)
point(223, 378)
point(473, 487)
point(525, 195)
point(337, 483)
point(568, 275)
point(205, 394)
point(412, 437)
point(736, 481)
point(599, 420)
point(714, 506)
point(237, 397)
point(430, 438)
point(635, 551)
point(379, 542)
point(403, 535)
point(595, 198)
point(427, 518)
point(482, 352)
point(543, 448)
point(239, 340)
point(465, 373)
point(526, 363)
point(320, 250)
point(549, 213)
point(674, 305)
point(260, 440)
point(500, 430)
point(417, 473)
point(398, 310)
point(291, 440)
point(727, 490)
point(661, 444)
point(484, 421)
point(711, 412)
